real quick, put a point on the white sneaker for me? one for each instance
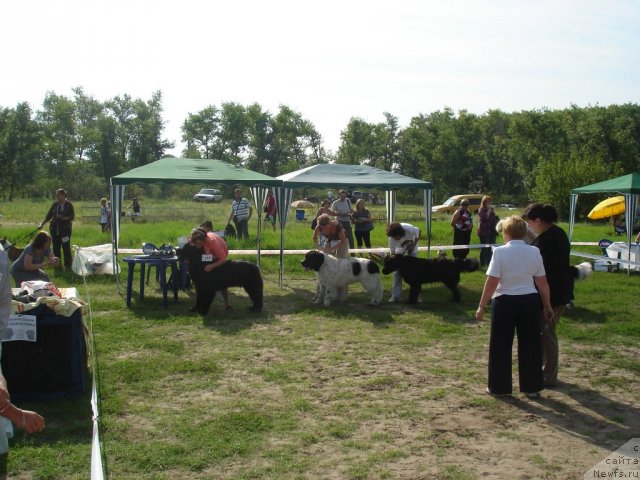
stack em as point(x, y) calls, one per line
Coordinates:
point(394, 300)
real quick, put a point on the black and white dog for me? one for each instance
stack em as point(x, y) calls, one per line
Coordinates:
point(334, 274)
point(232, 273)
point(416, 271)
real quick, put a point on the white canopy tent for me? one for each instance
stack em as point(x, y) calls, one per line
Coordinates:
point(331, 175)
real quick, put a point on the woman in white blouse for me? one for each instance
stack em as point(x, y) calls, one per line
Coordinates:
point(517, 284)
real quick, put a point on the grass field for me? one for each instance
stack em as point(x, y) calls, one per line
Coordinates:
point(349, 391)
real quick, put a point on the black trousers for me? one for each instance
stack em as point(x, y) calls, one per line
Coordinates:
point(58, 240)
point(486, 253)
point(521, 314)
point(363, 237)
point(461, 238)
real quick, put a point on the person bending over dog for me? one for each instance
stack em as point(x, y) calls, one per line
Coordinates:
point(403, 238)
point(217, 247)
point(334, 241)
point(230, 273)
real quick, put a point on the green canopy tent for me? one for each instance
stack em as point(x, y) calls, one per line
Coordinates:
point(333, 175)
point(188, 170)
point(627, 185)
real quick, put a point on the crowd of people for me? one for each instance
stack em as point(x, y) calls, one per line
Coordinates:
point(528, 283)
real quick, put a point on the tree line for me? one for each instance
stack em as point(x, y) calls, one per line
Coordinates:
point(540, 154)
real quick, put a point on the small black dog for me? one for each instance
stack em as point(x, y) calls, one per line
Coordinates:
point(416, 271)
point(232, 273)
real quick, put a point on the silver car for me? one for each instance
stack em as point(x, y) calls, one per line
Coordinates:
point(208, 195)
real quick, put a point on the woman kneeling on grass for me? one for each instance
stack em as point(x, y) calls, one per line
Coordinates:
point(35, 256)
point(515, 270)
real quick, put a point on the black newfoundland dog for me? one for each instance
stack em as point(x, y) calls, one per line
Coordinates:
point(233, 273)
point(416, 271)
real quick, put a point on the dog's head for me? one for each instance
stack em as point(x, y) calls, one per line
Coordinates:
point(189, 253)
point(229, 231)
point(12, 252)
point(392, 263)
point(582, 270)
point(313, 260)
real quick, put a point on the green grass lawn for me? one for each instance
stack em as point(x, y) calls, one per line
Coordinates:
point(350, 391)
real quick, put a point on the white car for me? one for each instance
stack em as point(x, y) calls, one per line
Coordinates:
point(208, 195)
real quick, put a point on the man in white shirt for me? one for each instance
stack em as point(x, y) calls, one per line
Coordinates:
point(403, 239)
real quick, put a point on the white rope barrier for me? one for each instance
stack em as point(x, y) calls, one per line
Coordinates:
point(97, 464)
point(138, 251)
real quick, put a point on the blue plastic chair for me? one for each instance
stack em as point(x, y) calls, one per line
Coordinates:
point(300, 216)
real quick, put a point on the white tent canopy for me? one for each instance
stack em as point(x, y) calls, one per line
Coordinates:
point(332, 175)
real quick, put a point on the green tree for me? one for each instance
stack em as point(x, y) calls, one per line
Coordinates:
point(259, 133)
point(200, 131)
point(20, 150)
point(58, 127)
point(293, 142)
point(358, 145)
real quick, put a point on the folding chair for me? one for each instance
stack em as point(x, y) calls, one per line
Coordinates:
point(610, 265)
point(300, 215)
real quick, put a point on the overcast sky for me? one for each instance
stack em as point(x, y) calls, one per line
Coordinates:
point(330, 60)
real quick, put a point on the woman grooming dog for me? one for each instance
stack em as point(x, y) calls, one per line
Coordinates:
point(215, 249)
point(403, 239)
point(336, 242)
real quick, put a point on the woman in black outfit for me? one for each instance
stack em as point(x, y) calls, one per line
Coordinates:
point(61, 215)
point(555, 249)
point(462, 223)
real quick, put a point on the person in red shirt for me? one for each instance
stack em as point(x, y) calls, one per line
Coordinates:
point(215, 246)
point(270, 210)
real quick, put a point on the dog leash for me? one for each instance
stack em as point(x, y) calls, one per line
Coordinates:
point(28, 235)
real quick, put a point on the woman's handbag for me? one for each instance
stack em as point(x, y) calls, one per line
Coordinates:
point(314, 223)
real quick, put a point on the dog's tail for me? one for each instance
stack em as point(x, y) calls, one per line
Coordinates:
point(582, 270)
